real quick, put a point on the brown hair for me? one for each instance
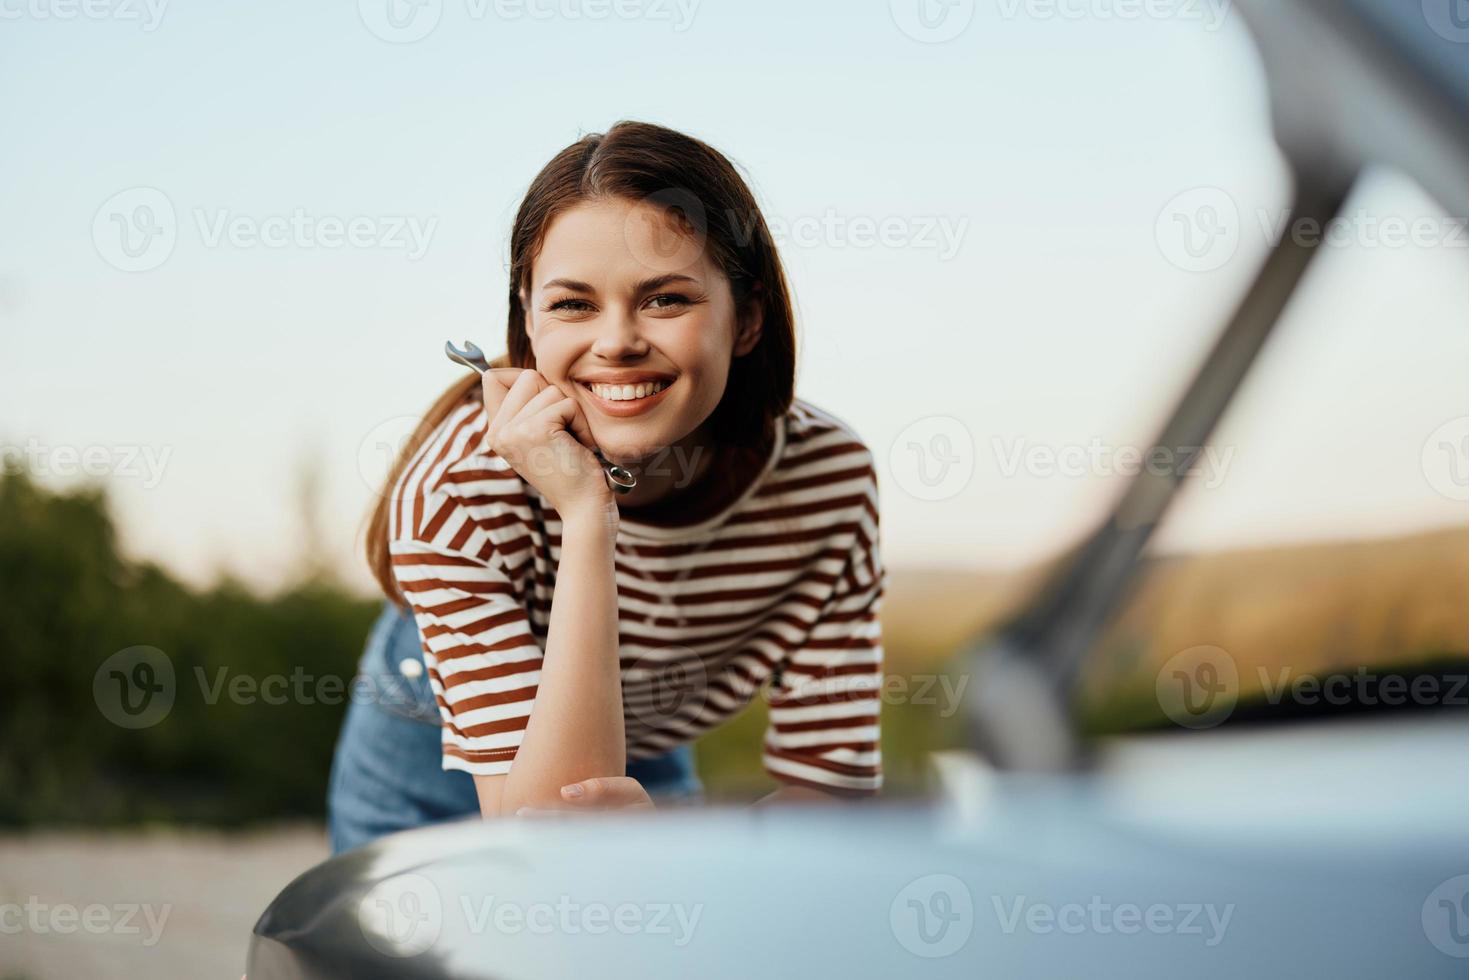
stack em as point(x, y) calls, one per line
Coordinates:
point(697, 186)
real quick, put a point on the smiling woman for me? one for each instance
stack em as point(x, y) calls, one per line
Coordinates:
point(573, 642)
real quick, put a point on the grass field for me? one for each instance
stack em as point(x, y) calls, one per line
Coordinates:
point(1395, 604)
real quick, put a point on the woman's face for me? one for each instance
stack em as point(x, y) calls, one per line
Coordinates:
point(629, 316)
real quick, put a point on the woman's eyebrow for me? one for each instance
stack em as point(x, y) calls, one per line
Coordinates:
point(646, 285)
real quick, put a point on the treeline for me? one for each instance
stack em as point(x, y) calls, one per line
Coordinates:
point(258, 685)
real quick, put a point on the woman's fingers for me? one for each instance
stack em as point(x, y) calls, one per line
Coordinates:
point(577, 425)
point(607, 792)
point(566, 413)
point(511, 400)
point(507, 388)
point(508, 392)
point(495, 383)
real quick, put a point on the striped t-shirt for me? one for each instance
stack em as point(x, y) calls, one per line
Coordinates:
point(781, 589)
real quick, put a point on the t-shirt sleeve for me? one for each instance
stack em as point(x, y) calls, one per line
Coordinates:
point(451, 565)
point(824, 711)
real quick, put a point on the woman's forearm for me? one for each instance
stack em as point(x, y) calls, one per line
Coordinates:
point(575, 730)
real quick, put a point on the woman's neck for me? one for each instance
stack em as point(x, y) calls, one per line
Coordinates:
point(671, 471)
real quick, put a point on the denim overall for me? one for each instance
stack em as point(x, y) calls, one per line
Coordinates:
point(386, 772)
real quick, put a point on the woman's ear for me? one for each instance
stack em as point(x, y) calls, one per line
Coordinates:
point(526, 324)
point(751, 323)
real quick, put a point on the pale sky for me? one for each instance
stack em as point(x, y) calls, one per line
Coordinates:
point(1030, 286)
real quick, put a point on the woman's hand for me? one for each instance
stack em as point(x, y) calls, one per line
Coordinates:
point(541, 432)
point(606, 793)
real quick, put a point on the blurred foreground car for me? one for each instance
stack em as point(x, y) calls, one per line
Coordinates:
point(1337, 848)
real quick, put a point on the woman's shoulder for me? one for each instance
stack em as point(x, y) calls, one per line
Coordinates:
point(826, 474)
point(817, 438)
point(452, 468)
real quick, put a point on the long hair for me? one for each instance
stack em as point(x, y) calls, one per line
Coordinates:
point(696, 186)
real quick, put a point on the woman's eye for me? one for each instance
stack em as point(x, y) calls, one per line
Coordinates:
point(668, 301)
point(570, 306)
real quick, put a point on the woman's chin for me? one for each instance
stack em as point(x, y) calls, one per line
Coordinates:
point(619, 448)
point(630, 456)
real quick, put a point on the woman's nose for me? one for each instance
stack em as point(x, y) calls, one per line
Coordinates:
point(618, 337)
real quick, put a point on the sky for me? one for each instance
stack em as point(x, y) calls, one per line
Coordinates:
point(237, 237)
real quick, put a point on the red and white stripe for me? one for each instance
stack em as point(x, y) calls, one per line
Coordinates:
point(781, 592)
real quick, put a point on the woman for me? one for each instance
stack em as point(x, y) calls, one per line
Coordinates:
point(570, 636)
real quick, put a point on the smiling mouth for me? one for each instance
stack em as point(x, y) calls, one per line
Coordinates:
point(625, 393)
point(625, 401)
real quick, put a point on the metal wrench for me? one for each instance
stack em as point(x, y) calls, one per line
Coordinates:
point(618, 478)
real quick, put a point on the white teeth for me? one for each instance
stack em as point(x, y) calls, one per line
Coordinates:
point(627, 393)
